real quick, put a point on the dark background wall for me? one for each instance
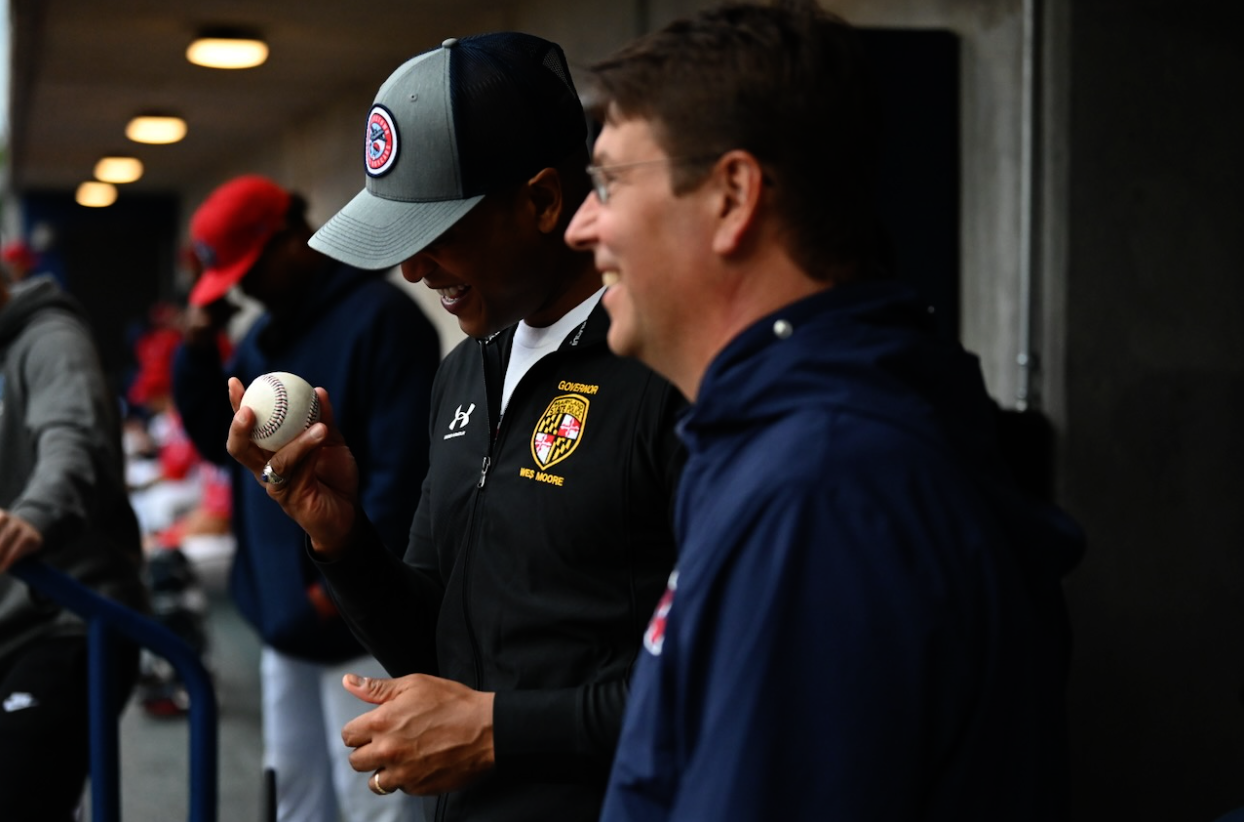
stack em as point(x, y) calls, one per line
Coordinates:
point(1154, 450)
point(117, 261)
point(917, 77)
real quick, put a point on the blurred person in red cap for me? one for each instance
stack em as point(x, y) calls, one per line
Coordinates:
point(366, 341)
point(18, 260)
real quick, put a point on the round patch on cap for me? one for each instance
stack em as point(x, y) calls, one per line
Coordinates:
point(381, 149)
point(205, 253)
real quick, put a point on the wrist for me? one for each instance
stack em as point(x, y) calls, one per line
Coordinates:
point(330, 548)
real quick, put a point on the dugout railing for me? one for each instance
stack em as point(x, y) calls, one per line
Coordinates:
point(106, 622)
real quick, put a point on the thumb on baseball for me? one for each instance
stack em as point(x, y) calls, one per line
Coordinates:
point(236, 390)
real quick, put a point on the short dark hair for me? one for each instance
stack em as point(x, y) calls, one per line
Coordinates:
point(788, 83)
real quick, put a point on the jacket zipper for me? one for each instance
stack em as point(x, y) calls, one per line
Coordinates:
point(495, 439)
point(469, 550)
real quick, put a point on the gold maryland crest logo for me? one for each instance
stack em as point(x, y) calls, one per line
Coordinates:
point(559, 431)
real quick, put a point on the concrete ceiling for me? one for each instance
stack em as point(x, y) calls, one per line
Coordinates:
point(82, 68)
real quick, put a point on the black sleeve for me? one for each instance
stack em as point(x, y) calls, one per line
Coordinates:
point(566, 734)
point(390, 606)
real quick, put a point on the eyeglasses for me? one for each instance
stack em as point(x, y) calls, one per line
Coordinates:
point(602, 176)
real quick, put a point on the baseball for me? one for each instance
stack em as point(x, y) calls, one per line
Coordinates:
point(285, 405)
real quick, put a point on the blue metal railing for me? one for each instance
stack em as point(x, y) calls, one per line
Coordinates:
point(106, 620)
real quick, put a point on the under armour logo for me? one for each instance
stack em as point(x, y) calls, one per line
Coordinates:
point(19, 700)
point(461, 416)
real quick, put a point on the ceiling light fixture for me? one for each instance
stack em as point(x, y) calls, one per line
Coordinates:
point(96, 195)
point(156, 129)
point(227, 48)
point(116, 169)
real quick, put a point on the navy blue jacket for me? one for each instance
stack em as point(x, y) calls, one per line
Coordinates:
point(866, 622)
point(368, 343)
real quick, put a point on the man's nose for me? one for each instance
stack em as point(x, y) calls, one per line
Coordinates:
point(417, 267)
point(580, 234)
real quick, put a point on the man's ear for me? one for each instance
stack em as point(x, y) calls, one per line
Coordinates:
point(545, 193)
point(740, 183)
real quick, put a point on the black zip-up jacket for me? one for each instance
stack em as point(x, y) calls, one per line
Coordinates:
point(534, 563)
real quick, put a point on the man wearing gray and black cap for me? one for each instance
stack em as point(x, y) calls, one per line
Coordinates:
point(542, 539)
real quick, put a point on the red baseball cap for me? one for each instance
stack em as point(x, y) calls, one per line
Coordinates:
point(229, 232)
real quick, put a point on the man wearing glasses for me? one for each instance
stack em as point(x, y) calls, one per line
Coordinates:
point(542, 540)
point(866, 619)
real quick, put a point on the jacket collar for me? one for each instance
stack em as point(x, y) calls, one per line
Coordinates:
point(592, 332)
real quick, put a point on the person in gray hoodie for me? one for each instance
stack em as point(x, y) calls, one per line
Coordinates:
point(63, 500)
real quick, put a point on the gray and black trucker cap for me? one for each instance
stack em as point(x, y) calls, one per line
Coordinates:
point(473, 116)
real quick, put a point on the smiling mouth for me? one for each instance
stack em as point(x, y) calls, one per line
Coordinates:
point(451, 295)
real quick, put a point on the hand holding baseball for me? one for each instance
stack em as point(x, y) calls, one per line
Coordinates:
point(320, 491)
point(285, 405)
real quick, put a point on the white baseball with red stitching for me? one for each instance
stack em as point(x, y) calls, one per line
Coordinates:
point(285, 405)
